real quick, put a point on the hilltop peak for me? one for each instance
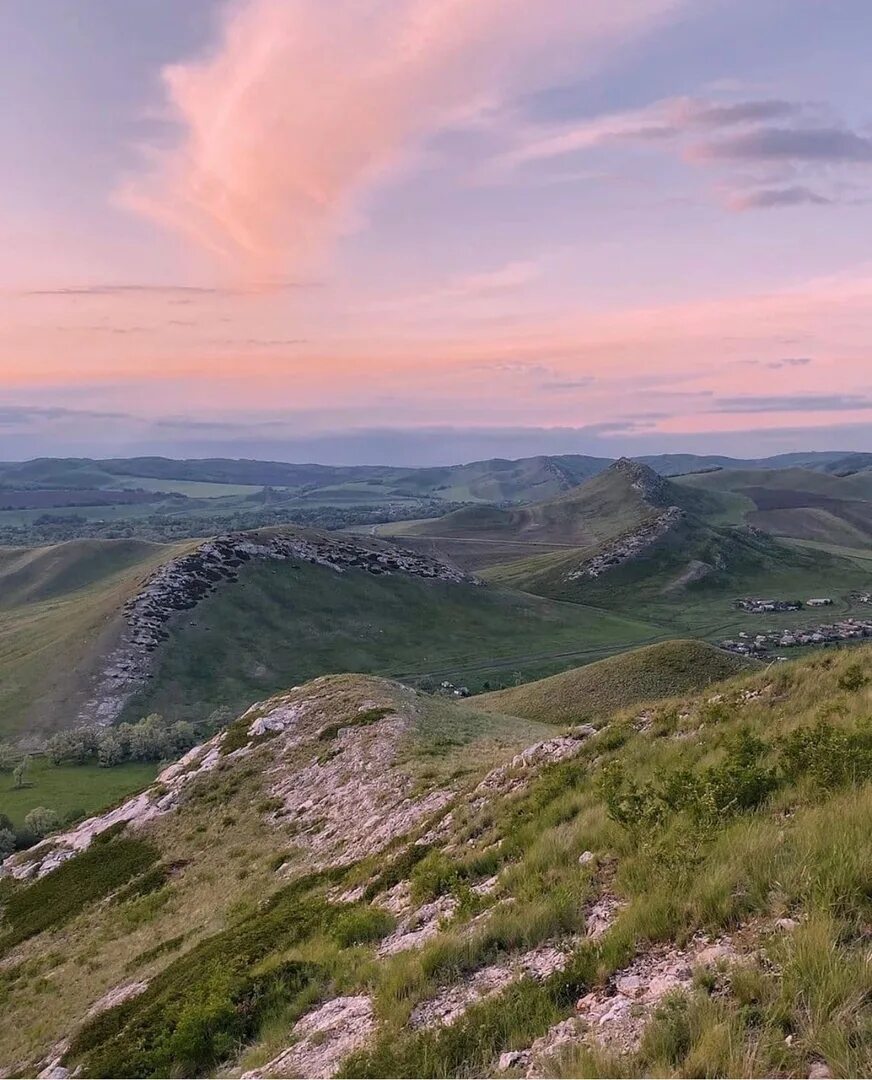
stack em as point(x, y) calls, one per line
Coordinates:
point(643, 478)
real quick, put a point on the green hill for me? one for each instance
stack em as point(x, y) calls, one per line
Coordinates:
point(281, 624)
point(688, 577)
point(599, 689)
point(616, 500)
point(359, 880)
point(797, 502)
point(274, 624)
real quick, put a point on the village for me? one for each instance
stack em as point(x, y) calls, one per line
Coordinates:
point(758, 606)
point(824, 634)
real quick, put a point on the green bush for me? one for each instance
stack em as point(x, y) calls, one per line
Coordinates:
point(197, 1010)
point(59, 896)
point(361, 925)
point(830, 756)
point(433, 876)
point(709, 796)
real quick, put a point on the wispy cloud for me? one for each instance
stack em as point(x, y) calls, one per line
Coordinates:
point(737, 133)
point(266, 170)
point(793, 403)
point(782, 362)
point(662, 120)
point(178, 293)
point(20, 415)
point(799, 144)
point(765, 198)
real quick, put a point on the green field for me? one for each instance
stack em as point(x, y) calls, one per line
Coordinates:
point(282, 624)
point(71, 790)
point(194, 489)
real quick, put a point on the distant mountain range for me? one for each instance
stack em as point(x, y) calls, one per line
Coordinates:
point(493, 481)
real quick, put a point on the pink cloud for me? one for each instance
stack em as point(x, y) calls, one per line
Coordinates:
point(304, 104)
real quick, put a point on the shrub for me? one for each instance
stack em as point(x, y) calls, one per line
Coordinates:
point(738, 783)
point(434, 875)
point(854, 677)
point(831, 756)
point(72, 747)
point(41, 820)
point(59, 896)
point(7, 842)
point(361, 925)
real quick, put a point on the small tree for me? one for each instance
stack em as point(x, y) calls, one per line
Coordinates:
point(7, 843)
point(8, 757)
point(41, 820)
point(110, 750)
point(19, 773)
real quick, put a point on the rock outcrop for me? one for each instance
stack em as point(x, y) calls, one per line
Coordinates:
point(630, 545)
point(181, 583)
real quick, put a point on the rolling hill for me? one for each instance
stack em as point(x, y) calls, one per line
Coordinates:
point(96, 630)
point(666, 669)
point(798, 503)
point(59, 618)
point(630, 540)
point(617, 500)
point(358, 880)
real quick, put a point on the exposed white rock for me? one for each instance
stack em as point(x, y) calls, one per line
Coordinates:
point(629, 545)
point(602, 914)
point(453, 1002)
point(614, 1017)
point(355, 800)
point(419, 927)
point(116, 996)
point(324, 1038)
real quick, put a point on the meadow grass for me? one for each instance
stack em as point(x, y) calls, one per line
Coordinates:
point(73, 791)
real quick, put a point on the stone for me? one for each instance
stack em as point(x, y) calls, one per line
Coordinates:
point(510, 1059)
point(786, 925)
point(586, 857)
point(819, 1071)
point(325, 1037)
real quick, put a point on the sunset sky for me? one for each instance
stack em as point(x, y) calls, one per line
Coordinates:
point(426, 231)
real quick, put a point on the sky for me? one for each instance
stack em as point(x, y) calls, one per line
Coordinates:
point(427, 231)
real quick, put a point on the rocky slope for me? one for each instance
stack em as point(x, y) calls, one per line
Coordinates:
point(181, 583)
point(356, 879)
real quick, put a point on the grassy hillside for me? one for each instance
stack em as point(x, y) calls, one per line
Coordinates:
point(689, 579)
point(797, 502)
point(681, 897)
point(59, 610)
point(281, 624)
point(663, 670)
point(618, 499)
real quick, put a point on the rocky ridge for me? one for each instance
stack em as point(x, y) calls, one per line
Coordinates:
point(181, 583)
point(630, 545)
